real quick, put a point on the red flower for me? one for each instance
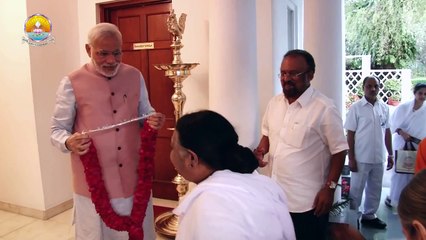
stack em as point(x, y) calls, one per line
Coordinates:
point(99, 194)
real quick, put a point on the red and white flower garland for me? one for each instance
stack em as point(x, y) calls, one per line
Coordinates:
point(99, 194)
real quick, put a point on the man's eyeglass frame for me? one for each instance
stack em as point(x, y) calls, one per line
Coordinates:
point(291, 75)
point(105, 54)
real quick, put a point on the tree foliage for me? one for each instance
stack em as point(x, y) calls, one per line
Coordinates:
point(417, 22)
point(380, 28)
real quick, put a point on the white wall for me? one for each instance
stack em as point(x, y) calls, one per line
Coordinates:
point(20, 172)
point(33, 174)
point(265, 54)
point(197, 44)
point(324, 39)
point(49, 64)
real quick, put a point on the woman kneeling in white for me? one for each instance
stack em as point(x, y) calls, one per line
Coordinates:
point(231, 201)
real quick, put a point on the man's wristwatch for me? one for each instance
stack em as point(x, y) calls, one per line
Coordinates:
point(331, 184)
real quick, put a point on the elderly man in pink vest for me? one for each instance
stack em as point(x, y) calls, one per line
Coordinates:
point(103, 92)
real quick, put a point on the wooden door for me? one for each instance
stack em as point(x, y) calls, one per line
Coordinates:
point(145, 22)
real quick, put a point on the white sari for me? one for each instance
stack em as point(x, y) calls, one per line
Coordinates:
point(412, 122)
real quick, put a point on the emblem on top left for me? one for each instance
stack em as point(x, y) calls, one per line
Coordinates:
point(38, 30)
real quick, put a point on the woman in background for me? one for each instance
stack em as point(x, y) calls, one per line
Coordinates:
point(407, 124)
point(231, 201)
point(412, 208)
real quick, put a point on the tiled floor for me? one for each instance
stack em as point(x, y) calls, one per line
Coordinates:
point(17, 227)
point(390, 216)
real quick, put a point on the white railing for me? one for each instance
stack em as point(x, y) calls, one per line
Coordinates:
point(354, 78)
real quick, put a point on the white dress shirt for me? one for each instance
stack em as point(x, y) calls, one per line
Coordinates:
point(369, 123)
point(302, 136)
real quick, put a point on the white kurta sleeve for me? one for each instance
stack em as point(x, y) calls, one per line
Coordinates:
point(144, 104)
point(63, 115)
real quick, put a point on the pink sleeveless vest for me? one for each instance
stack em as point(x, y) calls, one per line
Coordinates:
point(101, 102)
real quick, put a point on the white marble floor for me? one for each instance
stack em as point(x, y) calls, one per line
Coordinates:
point(18, 227)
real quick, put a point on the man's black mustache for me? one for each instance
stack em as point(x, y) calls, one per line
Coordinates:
point(290, 82)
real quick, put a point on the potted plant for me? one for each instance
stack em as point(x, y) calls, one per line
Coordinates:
point(392, 90)
point(354, 95)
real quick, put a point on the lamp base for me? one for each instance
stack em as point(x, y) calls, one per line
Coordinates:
point(167, 224)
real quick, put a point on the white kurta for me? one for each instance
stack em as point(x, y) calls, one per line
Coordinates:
point(229, 205)
point(89, 225)
point(412, 122)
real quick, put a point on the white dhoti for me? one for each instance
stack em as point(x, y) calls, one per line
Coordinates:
point(89, 225)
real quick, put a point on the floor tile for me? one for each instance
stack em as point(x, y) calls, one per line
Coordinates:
point(65, 217)
point(18, 227)
point(10, 222)
point(42, 230)
point(389, 215)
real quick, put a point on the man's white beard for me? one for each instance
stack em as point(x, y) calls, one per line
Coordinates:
point(102, 72)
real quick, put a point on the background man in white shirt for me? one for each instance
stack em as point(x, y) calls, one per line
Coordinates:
point(368, 128)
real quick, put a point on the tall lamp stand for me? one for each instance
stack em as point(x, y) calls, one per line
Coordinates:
point(167, 223)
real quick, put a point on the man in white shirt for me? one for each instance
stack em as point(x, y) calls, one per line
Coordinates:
point(368, 129)
point(303, 133)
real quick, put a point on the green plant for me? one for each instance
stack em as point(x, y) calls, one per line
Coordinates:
point(392, 89)
point(353, 64)
point(359, 91)
point(414, 81)
point(381, 29)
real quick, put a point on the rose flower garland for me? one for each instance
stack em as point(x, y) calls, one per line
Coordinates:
point(99, 194)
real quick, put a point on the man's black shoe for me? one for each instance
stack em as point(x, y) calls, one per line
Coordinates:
point(373, 223)
point(388, 202)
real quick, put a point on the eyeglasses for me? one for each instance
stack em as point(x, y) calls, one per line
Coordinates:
point(105, 54)
point(291, 74)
